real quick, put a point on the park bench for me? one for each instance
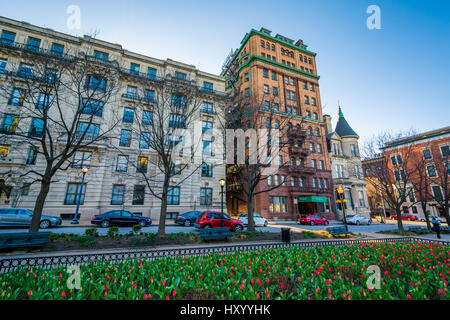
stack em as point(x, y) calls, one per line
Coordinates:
point(338, 231)
point(445, 229)
point(418, 229)
point(23, 239)
point(215, 234)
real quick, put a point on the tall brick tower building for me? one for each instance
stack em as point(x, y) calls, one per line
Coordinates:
point(278, 82)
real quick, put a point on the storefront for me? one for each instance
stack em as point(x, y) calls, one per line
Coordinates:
point(308, 205)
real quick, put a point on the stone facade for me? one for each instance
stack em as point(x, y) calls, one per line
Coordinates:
point(136, 70)
point(346, 167)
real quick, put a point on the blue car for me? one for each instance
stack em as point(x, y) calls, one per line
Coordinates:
point(120, 218)
point(187, 219)
point(18, 217)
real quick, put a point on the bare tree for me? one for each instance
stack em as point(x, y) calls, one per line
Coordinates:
point(56, 102)
point(391, 178)
point(167, 122)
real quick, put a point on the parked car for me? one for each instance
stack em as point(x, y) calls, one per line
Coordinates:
point(257, 219)
point(120, 218)
point(357, 219)
point(440, 219)
point(187, 219)
point(210, 219)
point(406, 216)
point(313, 220)
point(18, 217)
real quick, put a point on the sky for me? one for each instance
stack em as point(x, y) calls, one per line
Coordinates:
point(395, 78)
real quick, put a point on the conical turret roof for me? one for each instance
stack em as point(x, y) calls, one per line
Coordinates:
point(343, 129)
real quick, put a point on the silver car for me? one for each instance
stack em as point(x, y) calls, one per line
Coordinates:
point(17, 217)
point(357, 219)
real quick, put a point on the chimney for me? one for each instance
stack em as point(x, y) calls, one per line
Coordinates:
point(328, 126)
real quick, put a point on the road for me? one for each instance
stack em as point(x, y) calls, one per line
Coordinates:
point(273, 227)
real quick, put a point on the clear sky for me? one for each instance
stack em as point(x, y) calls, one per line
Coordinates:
point(395, 78)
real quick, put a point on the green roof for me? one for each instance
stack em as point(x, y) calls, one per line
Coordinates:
point(343, 129)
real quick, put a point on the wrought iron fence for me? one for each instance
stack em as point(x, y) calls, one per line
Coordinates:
point(8, 264)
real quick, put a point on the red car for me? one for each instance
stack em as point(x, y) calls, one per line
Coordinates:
point(313, 220)
point(405, 216)
point(211, 219)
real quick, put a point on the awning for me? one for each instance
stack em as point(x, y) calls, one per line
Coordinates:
point(313, 199)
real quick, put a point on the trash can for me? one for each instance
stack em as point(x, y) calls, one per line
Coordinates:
point(286, 235)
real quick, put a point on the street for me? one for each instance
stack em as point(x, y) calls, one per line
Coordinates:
point(274, 226)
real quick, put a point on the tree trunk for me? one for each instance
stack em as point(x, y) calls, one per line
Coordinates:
point(399, 220)
point(39, 205)
point(251, 221)
point(427, 215)
point(162, 216)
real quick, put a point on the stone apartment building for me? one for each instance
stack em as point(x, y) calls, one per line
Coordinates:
point(345, 161)
point(110, 184)
point(278, 81)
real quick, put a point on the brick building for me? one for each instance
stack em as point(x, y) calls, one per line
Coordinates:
point(278, 80)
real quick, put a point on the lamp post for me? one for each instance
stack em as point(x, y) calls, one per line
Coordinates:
point(340, 192)
point(222, 184)
point(75, 219)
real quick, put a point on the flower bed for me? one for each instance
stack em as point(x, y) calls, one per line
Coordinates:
point(407, 271)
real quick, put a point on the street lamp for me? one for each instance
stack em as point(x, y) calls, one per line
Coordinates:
point(75, 218)
point(222, 184)
point(341, 200)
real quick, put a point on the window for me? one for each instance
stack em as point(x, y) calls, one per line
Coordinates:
point(92, 107)
point(399, 159)
point(147, 118)
point(313, 164)
point(88, 130)
point(144, 141)
point(134, 68)
point(247, 92)
point(311, 87)
point(313, 101)
point(149, 96)
point(74, 194)
point(437, 193)
point(33, 44)
point(265, 73)
point(445, 150)
point(207, 148)
point(275, 91)
point(317, 133)
point(138, 195)
point(325, 183)
point(128, 115)
point(276, 107)
point(207, 127)
point(357, 172)
point(81, 159)
point(269, 180)
point(362, 202)
point(36, 128)
point(151, 73)
point(8, 38)
point(125, 138)
point(25, 71)
point(32, 155)
point(319, 148)
point(117, 196)
point(4, 150)
point(246, 77)
point(431, 169)
point(173, 196)
point(278, 205)
point(306, 100)
point(57, 50)
point(353, 150)
point(102, 56)
point(267, 104)
point(96, 83)
point(131, 92)
point(305, 85)
point(321, 165)
point(122, 163)
point(142, 164)
point(206, 196)
point(180, 75)
point(207, 170)
point(207, 107)
point(308, 114)
point(2, 66)
point(274, 75)
point(207, 86)
point(17, 97)
point(266, 88)
point(426, 154)
point(44, 101)
point(393, 161)
point(315, 116)
point(178, 101)
point(311, 147)
point(412, 197)
point(9, 124)
point(177, 121)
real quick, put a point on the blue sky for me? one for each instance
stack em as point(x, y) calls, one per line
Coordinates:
point(394, 79)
